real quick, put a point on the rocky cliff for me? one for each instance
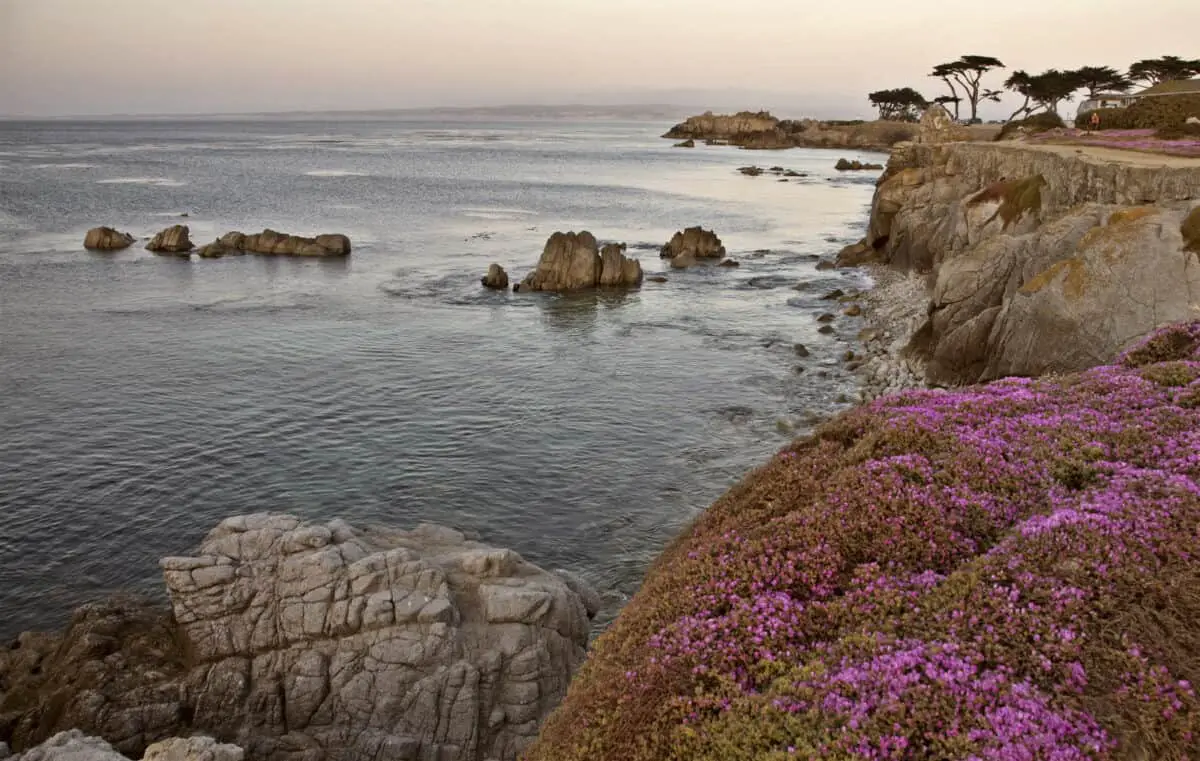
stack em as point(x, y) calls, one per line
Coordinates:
point(1001, 572)
point(314, 641)
point(1040, 258)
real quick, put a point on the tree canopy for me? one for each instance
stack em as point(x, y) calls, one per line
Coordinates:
point(1101, 79)
point(1043, 91)
point(964, 77)
point(1152, 71)
point(899, 104)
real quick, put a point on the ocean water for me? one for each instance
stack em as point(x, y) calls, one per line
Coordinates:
point(145, 398)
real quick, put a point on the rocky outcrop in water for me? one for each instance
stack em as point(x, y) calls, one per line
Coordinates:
point(173, 240)
point(76, 746)
point(574, 261)
point(496, 278)
point(845, 165)
point(314, 641)
point(1041, 260)
point(106, 239)
point(270, 242)
point(694, 243)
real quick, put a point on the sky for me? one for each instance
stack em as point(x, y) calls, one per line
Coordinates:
point(799, 58)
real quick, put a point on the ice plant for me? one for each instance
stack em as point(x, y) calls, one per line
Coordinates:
point(1008, 572)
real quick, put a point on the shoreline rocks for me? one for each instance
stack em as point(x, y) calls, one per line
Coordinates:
point(314, 641)
point(107, 239)
point(574, 261)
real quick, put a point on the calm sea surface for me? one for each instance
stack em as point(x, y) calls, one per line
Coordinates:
point(145, 398)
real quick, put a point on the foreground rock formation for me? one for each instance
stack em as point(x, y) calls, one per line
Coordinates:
point(690, 245)
point(173, 240)
point(760, 130)
point(1001, 572)
point(76, 746)
point(106, 239)
point(1040, 260)
point(574, 261)
point(314, 641)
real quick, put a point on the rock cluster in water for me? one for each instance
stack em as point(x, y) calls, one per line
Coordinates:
point(314, 641)
point(845, 165)
point(176, 240)
point(574, 261)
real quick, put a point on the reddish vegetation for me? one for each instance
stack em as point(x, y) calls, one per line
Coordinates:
point(1004, 572)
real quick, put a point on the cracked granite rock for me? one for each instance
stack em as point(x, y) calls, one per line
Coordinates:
point(312, 641)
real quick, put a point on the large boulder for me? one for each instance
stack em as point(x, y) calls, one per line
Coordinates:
point(270, 242)
point(695, 242)
point(173, 240)
point(496, 278)
point(314, 641)
point(573, 261)
point(107, 239)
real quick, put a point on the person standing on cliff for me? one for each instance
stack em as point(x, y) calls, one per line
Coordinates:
point(1094, 122)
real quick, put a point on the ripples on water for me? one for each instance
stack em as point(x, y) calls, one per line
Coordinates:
point(146, 398)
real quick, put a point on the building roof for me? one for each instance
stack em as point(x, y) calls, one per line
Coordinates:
point(1173, 87)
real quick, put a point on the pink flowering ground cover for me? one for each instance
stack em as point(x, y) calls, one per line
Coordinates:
point(1142, 140)
point(1009, 572)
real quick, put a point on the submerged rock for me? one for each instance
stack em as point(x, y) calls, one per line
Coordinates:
point(696, 242)
point(574, 261)
point(689, 143)
point(496, 278)
point(315, 641)
point(107, 239)
point(173, 240)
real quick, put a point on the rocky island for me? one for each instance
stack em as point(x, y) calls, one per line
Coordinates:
point(761, 131)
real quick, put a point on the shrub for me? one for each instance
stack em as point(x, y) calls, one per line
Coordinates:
point(1036, 123)
point(1002, 572)
point(1147, 113)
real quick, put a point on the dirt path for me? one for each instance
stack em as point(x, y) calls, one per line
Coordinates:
point(1113, 155)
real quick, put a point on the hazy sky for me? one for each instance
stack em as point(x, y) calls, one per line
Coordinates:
point(800, 57)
